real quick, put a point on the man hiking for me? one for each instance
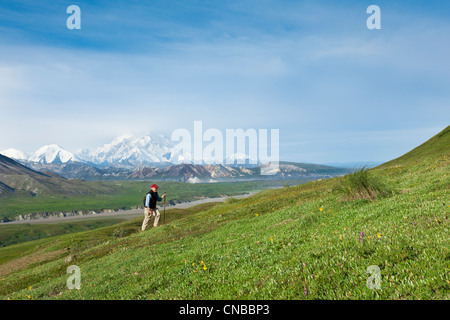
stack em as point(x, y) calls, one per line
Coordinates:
point(150, 206)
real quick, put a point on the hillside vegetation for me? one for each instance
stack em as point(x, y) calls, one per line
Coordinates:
point(313, 241)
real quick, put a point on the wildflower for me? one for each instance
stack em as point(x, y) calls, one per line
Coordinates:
point(29, 288)
point(379, 235)
point(321, 209)
point(340, 236)
point(204, 267)
point(193, 264)
point(361, 235)
point(257, 214)
point(28, 296)
point(202, 262)
point(305, 290)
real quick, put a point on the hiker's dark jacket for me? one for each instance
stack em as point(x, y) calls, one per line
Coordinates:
point(151, 198)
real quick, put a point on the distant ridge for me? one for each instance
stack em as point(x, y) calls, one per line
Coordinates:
point(192, 173)
point(15, 177)
point(9, 166)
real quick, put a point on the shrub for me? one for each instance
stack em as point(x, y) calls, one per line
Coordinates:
point(361, 184)
point(120, 233)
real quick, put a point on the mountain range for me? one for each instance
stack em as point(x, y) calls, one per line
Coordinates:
point(156, 158)
point(125, 151)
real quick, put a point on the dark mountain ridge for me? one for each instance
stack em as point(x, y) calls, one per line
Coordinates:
point(18, 178)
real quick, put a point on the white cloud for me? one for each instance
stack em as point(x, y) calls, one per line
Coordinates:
point(292, 80)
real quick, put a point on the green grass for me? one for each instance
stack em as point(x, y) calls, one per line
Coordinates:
point(277, 244)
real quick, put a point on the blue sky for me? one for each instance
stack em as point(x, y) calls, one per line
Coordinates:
point(337, 91)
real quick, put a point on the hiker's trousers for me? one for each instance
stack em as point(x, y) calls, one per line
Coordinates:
point(148, 213)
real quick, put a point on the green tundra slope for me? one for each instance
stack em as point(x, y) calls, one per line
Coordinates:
point(313, 241)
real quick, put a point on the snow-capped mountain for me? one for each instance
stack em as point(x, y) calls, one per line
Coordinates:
point(15, 154)
point(125, 152)
point(178, 155)
point(52, 154)
point(47, 154)
point(128, 151)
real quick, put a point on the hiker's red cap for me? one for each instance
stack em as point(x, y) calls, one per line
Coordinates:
point(154, 186)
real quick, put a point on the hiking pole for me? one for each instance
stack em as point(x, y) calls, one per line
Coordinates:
point(164, 219)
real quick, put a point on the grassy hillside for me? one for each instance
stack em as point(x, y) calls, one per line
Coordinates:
point(312, 241)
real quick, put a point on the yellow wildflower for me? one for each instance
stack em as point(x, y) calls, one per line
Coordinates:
point(379, 235)
point(321, 209)
point(204, 267)
point(340, 236)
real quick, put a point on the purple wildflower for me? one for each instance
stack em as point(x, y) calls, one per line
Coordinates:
point(361, 235)
point(306, 291)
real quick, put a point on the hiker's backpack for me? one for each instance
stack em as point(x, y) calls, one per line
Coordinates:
point(145, 198)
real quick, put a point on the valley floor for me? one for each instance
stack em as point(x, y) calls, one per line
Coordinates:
point(125, 214)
